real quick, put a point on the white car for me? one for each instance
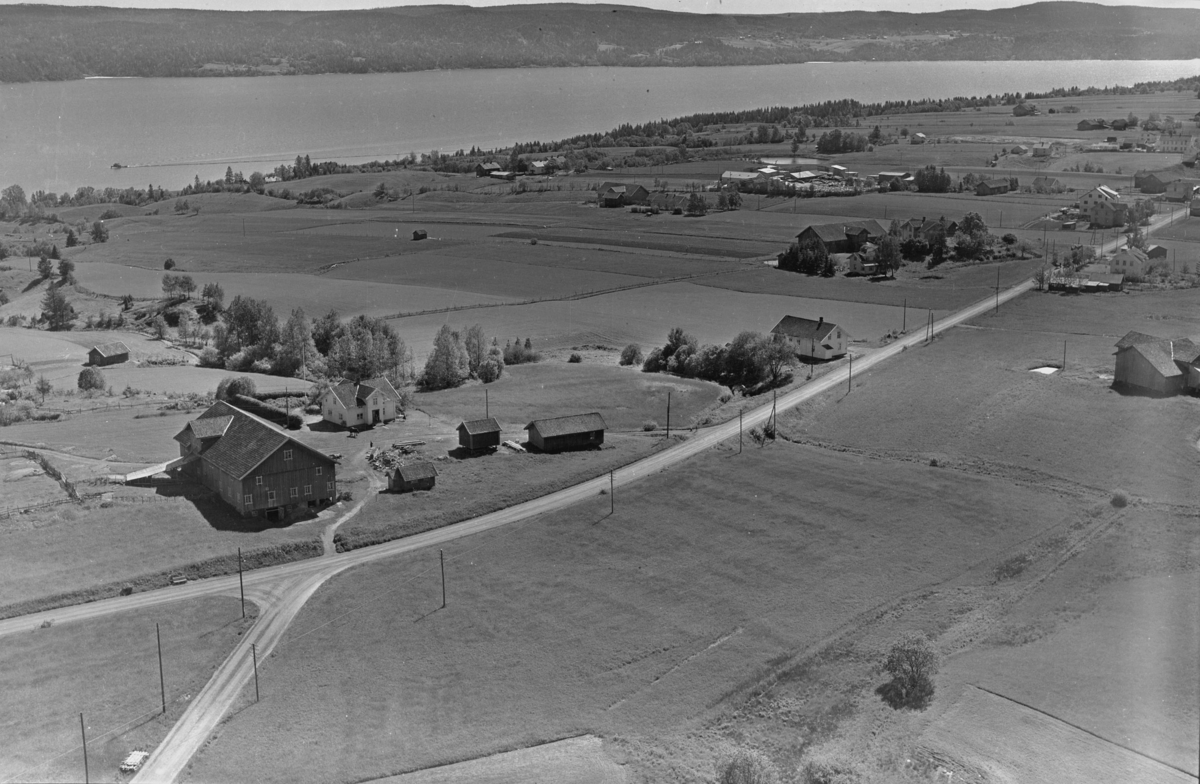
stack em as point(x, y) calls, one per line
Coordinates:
point(134, 761)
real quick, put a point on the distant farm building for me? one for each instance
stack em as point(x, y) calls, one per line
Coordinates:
point(1107, 214)
point(1156, 252)
point(420, 234)
point(1046, 184)
point(418, 476)
point(1091, 125)
point(253, 466)
point(560, 434)
point(1041, 152)
point(486, 169)
point(1119, 125)
point(1180, 144)
point(618, 194)
point(108, 354)
point(1151, 182)
point(1181, 190)
point(992, 187)
point(370, 402)
point(843, 237)
point(740, 179)
point(1025, 110)
point(1129, 261)
point(918, 138)
point(1018, 149)
point(885, 178)
point(1158, 365)
point(859, 263)
point(477, 435)
point(818, 339)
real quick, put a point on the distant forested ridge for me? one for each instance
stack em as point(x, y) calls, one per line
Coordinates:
point(44, 43)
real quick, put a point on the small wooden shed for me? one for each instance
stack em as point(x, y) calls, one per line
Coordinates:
point(418, 476)
point(479, 434)
point(420, 234)
point(577, 431)
point(108, 354)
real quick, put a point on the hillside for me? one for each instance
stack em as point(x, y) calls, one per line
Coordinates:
point(47, 43)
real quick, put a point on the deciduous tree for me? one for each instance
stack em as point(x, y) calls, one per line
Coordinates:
point(90, 378)
point(447, 365)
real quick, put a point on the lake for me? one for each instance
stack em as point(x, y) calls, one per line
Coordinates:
point(62, 135)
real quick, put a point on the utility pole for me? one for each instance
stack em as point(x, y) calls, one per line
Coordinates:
point(904, 322)
point(487, 409)
point(739, 431)
point(83, 731)
point(241, 583)
point(997, 288)
point(774, 413)
point(850, 375)
point(1064, 369)
point(254, 653)
point(162, 683)
point(668, 414)
point(442, 561)
point(612, 493)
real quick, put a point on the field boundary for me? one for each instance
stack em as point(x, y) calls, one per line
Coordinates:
point(1083, 730)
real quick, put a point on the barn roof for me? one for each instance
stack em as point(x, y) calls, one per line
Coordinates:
point(490, 166)
point(245, 441)
point(566, 425)
point(1159, 355)
point(416, 472)
point(213, 427)
point(111, 349)
point(803, 329)
point(827, 232)
point(1135, 338)
point(874, 228)
point(476, 426)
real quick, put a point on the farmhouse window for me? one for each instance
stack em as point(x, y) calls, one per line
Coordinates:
point(249, 500)
point(329, 486)
point(270, 496)
point(287, 454)
point(258, 480)
point(318, 470)
point(308, 489)
point(294, 493)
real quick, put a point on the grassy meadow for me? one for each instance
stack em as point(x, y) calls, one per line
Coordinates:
point(106, 669)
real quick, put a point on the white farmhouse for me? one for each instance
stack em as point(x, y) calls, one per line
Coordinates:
point(372, 401)
point(818, 339)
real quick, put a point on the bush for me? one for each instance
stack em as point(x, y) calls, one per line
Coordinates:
point(231, 387)
point(575, 359)
point(649, 425)
point(828, 769)
point(295, 419)
point(91, 378)
point(631, 355)
point(912, 663)
point(109, 215)
point(518, 353)
point(746, 766)
point(1120, 499)
point(169, 264)
point(654, 362)
point(210, 358)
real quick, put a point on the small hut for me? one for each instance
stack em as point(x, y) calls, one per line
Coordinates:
point(108, 354)
point(479, 434)
point(420, 234)
point(418, 476)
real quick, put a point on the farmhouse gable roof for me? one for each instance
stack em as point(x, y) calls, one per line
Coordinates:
point(246, 440)
point(111, 349)
point(566, 425)
point(416, 472)
point(827, 232)
point(352, 395)
point(803, 329)
point(475, 427)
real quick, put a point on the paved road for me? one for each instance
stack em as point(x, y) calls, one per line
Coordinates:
point(282, 591)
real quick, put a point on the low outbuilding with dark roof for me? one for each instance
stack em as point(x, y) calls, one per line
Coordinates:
point(477, 435)
point(1162, 366)
point(108, 354)
point(577, 431)
point(255, 467)
point(418, 476)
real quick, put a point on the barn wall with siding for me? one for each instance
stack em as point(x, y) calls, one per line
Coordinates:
point(1133, 370)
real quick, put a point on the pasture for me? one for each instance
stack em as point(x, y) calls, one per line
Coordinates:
point(633, 626)
point(1069, 429)
point(106, 669)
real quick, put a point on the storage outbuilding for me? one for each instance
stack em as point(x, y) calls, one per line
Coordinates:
point(418, 476)
point(560, 434)
point(479, 434)
point(108, 354)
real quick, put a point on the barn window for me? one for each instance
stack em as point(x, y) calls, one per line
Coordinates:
point(287, 454)
point(249, 500)
point(294, 493)
point(329, 486)
point(319, 469)
point(258, 480)
point(270, 496)
point(308, 489)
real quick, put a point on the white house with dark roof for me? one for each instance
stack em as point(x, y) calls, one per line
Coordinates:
point(1129, 261)
point(818, 339)
point(372, 401)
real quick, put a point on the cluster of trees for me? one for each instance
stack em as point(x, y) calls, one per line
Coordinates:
point(833, 142)
point(456, 358)
point(750, 360)
point(808, 256)
point(181, 286)
point(931, 179)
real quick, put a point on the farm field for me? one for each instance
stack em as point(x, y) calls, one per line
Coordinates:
point(1183, 230)
point(315, 294)
point(955, 286)
point(106, 669)
point(644, 316)
point(624, 396)
point(630, 626)
point(1013, 422)
point(24, 483)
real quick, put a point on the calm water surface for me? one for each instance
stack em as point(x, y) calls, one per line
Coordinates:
point(59, 136)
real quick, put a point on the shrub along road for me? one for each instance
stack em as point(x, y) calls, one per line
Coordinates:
point(283, 590)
